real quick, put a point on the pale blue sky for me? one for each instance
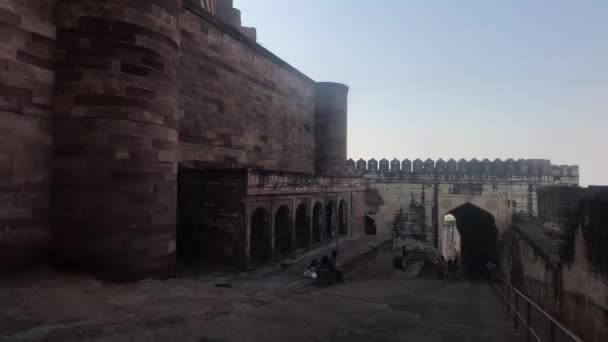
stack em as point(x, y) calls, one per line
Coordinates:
point(456, 79)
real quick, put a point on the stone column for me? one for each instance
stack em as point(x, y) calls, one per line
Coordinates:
point(116, 121)
point(27, 49)
point(330, 128)
point(294, 212)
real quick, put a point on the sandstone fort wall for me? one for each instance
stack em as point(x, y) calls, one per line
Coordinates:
point(559, 259)
point(410, 199)
point(100, 101)
point(239, 100)
point(27, 58)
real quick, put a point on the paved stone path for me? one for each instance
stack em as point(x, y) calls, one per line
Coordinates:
point(397, 308)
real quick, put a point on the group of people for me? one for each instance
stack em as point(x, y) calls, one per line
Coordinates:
point(326, 272)
point(449, 268)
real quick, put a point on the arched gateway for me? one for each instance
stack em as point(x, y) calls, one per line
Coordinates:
point(477, 236)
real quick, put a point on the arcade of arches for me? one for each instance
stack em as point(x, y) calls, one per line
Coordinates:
point(474, 240)
point(292, 233)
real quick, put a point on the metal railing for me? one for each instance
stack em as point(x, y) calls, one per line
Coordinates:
point(537, 325)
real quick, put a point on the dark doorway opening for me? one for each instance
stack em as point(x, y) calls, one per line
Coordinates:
point(260, 248)
point(478, 238)
point(370, 225)
point(317, 223)
point(342, 219)
point(282, 232)
point(302, 227)
point(191, 230)
point(184, 248)
point(330, 224)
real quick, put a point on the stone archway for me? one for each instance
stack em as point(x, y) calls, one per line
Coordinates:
point(478, 238)
point(317, 223)
point(282, 232)
point(259, 238)
point(302, 227)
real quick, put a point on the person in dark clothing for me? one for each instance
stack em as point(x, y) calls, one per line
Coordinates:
point(450, 267)
point(441, 267)
point(490, 269)
point(400, 262)
point(334, 266)
point(324, 274)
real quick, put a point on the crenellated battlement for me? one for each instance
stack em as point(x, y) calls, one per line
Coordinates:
point(473, 167)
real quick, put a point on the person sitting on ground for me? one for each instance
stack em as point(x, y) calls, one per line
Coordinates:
point(312, 272)
point(334, 266)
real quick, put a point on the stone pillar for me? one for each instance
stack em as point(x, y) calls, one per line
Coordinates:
point(27, 49)
point(116, 121)
point(330, 128)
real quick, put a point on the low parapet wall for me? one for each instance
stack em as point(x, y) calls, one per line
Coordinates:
point(271, 182)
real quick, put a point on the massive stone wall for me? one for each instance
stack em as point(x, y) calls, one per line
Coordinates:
point(239, 101)
point(95, 93)
point(27, 76)
point(116, 121)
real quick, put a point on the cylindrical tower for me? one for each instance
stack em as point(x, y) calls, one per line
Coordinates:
point(27, 49)
point(330, 128)
point(116, 121)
